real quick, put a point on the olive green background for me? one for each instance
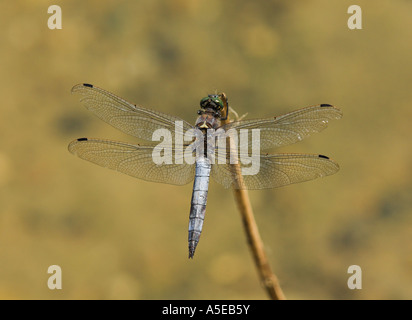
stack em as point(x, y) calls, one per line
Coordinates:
point(122, 238)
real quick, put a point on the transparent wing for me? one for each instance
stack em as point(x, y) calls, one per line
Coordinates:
point(277, 170)
point(289, 128)
point(127, 117)
point(133, 160)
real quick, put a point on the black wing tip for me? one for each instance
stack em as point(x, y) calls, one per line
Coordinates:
point(338, 112)
point(324, 157)
point(82, 139)
point(79, 86)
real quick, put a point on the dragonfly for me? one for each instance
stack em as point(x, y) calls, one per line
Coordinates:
point(136, 160)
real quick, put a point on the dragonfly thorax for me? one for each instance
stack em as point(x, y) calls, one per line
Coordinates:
point(207, 120)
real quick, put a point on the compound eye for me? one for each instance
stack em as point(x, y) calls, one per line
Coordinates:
point(204, 102)
point(218, 103)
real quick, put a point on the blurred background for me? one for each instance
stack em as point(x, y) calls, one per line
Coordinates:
point(116, 237)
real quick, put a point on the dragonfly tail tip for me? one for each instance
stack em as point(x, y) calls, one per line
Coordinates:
point(191, 253)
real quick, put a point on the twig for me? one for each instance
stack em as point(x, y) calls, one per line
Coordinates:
point(267, 277)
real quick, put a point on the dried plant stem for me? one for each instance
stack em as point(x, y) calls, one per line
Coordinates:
point(267, 277)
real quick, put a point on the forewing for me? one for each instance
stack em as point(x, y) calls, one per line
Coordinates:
point(289, 128)
point(133, 160)
point(127, 117)
point(276, 170)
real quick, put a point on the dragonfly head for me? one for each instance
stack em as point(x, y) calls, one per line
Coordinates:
point(217, 103)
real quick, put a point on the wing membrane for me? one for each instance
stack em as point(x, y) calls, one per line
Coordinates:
point(127, 117)
point(289, 128)
point(133, 160)
point(277, 170)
